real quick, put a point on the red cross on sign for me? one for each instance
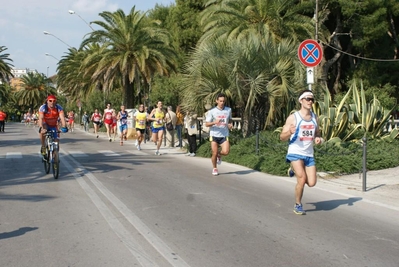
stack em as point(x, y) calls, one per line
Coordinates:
point(310, 53)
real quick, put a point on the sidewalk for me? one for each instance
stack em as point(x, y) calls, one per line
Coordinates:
point(382, 186)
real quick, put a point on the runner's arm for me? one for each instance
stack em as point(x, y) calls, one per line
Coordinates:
point(288, 128)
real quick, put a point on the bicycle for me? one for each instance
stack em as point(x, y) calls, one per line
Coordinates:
point(52, 154)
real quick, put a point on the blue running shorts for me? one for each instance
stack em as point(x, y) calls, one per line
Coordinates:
point(308, 161)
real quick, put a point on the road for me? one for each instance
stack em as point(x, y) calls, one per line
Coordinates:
point(116, 206)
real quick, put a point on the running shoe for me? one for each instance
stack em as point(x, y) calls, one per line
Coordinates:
point(97, 135)
point(110, 139)
point(219, 159)
point(215, 172)
point(136, 143)
point(138, 147)
point(188, 154)
point(298, 209)
point(43, 151)
point(157, 152)
point(192, 155)
point(290, 172)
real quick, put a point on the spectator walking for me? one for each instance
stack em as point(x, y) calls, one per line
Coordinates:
point(192, 129)
point(170, 119)
point(301, 129)
point(179, 126)
point(3, 117)
point(85, 121)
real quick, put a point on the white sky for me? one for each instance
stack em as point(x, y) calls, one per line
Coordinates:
point(22, 23)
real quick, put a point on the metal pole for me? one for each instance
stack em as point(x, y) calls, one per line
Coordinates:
point(364, 163)
point(257, 139)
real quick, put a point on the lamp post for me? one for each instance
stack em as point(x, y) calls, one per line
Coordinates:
point(47, 33)
point(47, 54)
point(73, 12)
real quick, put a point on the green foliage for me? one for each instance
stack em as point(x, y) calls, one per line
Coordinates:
point(337, 157)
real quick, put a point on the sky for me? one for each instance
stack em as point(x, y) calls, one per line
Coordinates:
point(22, 23)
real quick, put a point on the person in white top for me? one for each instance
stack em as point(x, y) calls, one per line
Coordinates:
point(219, 121)
point(108, 120)
point(301, 129)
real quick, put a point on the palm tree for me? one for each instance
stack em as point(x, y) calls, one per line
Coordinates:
point(237, 19)
point(259, 77)
point(5, 68)
point(35, 88)
point(133, 48)
point(72, 79)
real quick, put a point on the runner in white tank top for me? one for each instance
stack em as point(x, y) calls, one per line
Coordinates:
point(301, 129)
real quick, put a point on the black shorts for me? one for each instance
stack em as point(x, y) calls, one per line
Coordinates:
point(142, 131)
point(219, 140)
point(96, 122)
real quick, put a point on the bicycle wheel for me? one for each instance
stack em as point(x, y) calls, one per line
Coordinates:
point(56, 164)
point(46, 160)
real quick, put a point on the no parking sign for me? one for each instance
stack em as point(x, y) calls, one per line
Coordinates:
point(310, 53)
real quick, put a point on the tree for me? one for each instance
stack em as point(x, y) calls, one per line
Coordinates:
point(35, 89)
point(133, 49)
point(5, 65)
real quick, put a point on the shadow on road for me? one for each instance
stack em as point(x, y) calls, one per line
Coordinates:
point(332, 204)
point(19, 232)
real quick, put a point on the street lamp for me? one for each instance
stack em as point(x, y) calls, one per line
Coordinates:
point(73, 12)
point(47, 54)
point(47, 33)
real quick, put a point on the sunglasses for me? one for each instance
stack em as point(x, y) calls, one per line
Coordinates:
point(52, 100)
point(309, 99)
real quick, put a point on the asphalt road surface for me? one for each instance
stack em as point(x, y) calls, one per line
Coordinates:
point(116, 206)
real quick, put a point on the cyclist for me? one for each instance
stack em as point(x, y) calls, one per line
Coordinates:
point(49, 113)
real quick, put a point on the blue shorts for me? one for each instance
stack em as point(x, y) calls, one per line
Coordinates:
point(54, 130)
point(308, 161)
point(156, 130)
point(219, 140)
point(123, 127)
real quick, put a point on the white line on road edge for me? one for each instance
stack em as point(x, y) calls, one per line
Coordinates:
point(130, 242)
point(134, 220)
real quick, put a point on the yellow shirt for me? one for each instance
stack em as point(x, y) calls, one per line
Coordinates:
point(159, 116)
point(140, 120)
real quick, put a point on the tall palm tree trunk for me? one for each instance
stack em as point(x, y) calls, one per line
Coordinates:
point(128, 100)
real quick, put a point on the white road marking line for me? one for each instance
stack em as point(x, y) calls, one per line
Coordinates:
point(14, 155)
point(109, 153)
point(136, 152)
point(134, 220)
point(125, 236)
point(77, 154)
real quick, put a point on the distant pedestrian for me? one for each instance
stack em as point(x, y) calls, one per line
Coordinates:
point(170, 120)
point(85, 121)
point(192, 129)
point(301, 129)
point(219, 121)
point(3, 117)
point(179, 126)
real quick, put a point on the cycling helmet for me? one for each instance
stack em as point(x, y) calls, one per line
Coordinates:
point(51, 97)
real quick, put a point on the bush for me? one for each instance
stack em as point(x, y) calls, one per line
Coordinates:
point(342, 158)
